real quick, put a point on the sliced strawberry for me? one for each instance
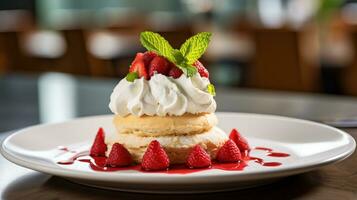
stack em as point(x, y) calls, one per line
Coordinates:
point(138, 66)
point(240, 141)
point(155, 157)
point(160, 65)
point(201, 69)
point(119, 156)
point(148, 56)
point(229, 152)
point(99, 147)
point(175, 72)
point(198, 158)
point(138, 58)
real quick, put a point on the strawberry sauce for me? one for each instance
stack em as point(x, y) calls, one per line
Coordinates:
point(271, 153)
point(98, 163)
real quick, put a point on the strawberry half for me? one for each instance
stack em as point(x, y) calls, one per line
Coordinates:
point(138, 66)
point(240, 141)
point(198, 158)
point(148, 56)
point(155, 157)
point(175, 72)
point(119, 156)
point(229, 152)
point(99, 147)
point(201, 69)
point(160, 65)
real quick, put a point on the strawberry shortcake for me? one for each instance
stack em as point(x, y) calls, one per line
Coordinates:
point(164, 109)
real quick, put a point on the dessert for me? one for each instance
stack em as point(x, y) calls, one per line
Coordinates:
point(165, 118)
point(167, 97)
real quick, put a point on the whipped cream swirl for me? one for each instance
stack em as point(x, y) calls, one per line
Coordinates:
point(162, 95)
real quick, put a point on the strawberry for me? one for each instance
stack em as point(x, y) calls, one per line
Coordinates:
point(229, 152)
point(240, 141)
point(175, 72)
point(148, 56)
point(99, 147)
point(201, 69)
point(119, 156)
point(160, 65)
point(198, 158)
point(155, 157)
point(138, 66)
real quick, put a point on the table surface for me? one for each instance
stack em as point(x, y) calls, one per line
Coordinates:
point(24, 100)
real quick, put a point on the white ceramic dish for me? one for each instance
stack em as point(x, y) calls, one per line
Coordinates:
point(311, 145)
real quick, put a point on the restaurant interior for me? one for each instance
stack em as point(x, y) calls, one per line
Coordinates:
point(277, 67)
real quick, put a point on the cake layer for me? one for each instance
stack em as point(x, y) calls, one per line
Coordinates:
point(177, 147)
point(187, 124)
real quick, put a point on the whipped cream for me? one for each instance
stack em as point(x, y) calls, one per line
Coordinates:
point(162, 95)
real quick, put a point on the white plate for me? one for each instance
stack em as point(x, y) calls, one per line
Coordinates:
point(311, 145)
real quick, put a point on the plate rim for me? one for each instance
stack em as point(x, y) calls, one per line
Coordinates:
point(178, 178)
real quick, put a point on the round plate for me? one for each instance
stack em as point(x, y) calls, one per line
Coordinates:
point(310, 145)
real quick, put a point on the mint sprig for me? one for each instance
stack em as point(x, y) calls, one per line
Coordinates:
point(156, 43)
point(189, 52)
point(195, 46)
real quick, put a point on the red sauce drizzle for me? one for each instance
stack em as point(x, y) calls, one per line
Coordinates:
point(98, 163)
point(263, 149)
point(271, 153)
point(278, 154)
point(267, 164)
point(62, 148)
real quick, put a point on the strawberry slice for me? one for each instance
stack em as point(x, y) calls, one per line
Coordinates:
point(240, 141)
point(99, 147)
point(138, 66)
point(119, 156)
point(155, 157)
point(198, 158)
point(175, 72)
point(229, 152)
point(160, 65)
point(148, 56)
point(201, 69)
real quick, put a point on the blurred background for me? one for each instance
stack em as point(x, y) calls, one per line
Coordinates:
point(307, 46)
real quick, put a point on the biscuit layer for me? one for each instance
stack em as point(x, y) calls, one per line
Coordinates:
point(177, 147)
point(187, 124)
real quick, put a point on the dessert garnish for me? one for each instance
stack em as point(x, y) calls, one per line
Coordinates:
point(99, 147)
point(229, 152)
point(162, 58)
point(198, 158)
point(155, 158)
point(240, 141)
point(119, 156)
point(229, 158)
point(183, 58)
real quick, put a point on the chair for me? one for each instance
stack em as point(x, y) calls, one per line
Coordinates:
point(349, 74)
point(73, 60)
point(278, 62)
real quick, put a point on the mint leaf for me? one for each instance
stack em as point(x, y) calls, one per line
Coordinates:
point(155, 42)
point(195, 46)
point(131, 76)
point(187, 69)
point(178, 56)
point(189, 52)
point(211, 89)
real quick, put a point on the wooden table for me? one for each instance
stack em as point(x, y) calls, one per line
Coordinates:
point(337, 181)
